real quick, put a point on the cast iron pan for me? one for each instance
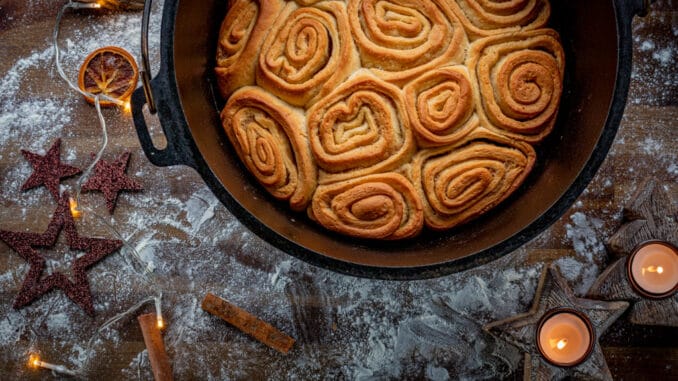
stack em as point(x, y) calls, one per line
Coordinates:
point(597, 40)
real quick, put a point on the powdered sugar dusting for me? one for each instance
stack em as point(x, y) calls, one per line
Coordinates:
point(654, 66)
point(664, 56)
point(17, 118)
point(583, 234)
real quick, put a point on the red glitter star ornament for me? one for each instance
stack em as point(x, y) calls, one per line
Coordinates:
point(48, 170)
point(77, 288)
point(110, 179)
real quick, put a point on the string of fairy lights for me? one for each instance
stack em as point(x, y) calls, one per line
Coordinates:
point(130, 253)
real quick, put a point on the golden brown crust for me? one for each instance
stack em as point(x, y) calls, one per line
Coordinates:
point(400, 39)
point(383, 206)
point(240, 38)
point(378, 116)
point(461, 182)
point(518, 81)
point(307, 2)
point(360, 128)
point(440, 106)
point(482, 18)
point(270, 139)
point(308, 52)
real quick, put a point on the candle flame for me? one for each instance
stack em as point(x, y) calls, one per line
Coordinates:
point(127, 107)
point(653, 269)
point(559, 344)
point(34, 360)
point(161, 323)
point(74, 208)
point(97, 5)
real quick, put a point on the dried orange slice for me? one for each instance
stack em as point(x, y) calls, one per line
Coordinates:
point(111, 71)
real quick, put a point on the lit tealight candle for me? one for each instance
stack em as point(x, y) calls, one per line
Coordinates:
point(653, 269)
point(565, 337)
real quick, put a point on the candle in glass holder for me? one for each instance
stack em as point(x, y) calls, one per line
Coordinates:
point(653, 269)
point(565, 337)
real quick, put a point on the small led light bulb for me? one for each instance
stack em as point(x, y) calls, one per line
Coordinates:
point(74, 208)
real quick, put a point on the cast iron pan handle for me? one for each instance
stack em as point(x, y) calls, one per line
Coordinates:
point(646, 8)
point(625, 11)
point(154, 93)
point(146, 66)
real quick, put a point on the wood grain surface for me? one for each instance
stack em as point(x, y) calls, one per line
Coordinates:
point(632, 352)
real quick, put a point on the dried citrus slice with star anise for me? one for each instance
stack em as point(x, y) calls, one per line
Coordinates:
point(110, 71)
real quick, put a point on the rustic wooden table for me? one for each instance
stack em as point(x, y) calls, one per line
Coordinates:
point(345, 328)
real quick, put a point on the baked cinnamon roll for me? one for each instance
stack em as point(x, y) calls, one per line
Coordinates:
point(440, 106)
point(270, 139)
point(240, 38)
point(361, 128)
point(457, 184)
point(401, 39)
point(308, 52)
point(482, 18)
point(383, 206)
point(518, 81)
point(378, 117)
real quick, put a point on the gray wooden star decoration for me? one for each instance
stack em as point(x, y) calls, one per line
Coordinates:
point(521, 330)
point(613, 284)
point(650, 215)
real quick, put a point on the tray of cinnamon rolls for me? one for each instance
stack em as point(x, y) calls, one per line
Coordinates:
point(390, 138)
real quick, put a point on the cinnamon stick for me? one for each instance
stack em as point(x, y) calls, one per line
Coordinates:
point(160, 363)
point(247, 323)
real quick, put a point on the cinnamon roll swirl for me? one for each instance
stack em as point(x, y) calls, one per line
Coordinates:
point(308, 52)
point(383, 206)
point(400, 39)
point(359, 129)
point(461, 182)
point(270, 139)
point(240, 37)
point(518, 80)
point(482, 18)
point(440, 106)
